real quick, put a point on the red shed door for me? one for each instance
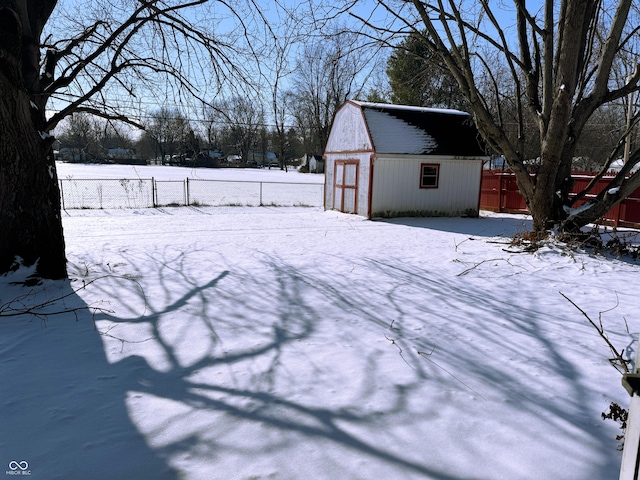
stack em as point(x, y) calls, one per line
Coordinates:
point(345, 186)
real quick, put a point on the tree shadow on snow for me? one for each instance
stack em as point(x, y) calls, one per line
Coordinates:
point(234, 403)
point(509, 327)
point(228, 371)
point(62, 410)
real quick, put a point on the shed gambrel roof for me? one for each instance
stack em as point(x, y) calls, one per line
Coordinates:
point(401, 129)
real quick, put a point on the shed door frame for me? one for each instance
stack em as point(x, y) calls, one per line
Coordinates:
point(345, 185)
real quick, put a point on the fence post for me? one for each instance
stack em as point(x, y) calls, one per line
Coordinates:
point(630, 468)
point(153, 192)
point(61, 194)
point(261, 194)
point(186, 192)
point(501, 178)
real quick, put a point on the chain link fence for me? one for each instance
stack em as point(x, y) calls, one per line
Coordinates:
point(150, 193)
point(106, 193)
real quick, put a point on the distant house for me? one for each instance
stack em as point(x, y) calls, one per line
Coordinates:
point(392, 160)
point(316, 164)
point(124, 156)
point(208, 158)
point(72, 155)
point(216, 154)
point(261, 159)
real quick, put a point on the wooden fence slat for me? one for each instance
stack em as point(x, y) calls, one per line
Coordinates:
point(499, 193)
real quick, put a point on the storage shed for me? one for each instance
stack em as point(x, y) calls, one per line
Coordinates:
point(392, 160)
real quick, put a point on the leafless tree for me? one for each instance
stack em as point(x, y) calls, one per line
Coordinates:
point(280, 70)
point(109, 58)
point(328, 72)
point(80, 137)
point(168, 130)
point(562, 60)
point(241, 120)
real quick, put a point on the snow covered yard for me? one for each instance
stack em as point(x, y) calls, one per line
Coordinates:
point(293, 343)
point(134, 186)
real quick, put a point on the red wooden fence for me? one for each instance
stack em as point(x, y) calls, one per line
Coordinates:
point(499, 193)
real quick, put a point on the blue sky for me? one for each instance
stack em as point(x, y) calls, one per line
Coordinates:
point(228, 26)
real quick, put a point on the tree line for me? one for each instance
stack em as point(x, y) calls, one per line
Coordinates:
point(242, 126)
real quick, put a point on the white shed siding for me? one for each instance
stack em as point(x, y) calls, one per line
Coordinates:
point(405, 137)
point(363, 159)
point(396, 185)
point(348, 140)
point(349, 132)
point(329, 176)
point(363, 180)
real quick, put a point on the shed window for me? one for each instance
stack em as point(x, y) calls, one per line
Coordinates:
point(429, 173)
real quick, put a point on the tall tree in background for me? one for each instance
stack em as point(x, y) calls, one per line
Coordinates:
point(326, 76)
point(561, 59)
point(167, 129)
point(417, 76)
point(280, 95)
point(105, 58)
point(111, 136)
point(80, 136)
point(83, 137)
point(241, 121)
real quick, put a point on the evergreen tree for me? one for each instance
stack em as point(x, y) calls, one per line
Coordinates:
point(418, 77)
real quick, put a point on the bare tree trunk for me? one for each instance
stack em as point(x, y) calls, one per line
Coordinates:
point(87, 63)
point(561, 75)
point(30, 221)
point(540, 207)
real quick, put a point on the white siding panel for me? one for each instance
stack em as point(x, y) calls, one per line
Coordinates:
point(348, 132)
point(329, 181)
point(363, 179)
point(337, 188)
point(396, 187)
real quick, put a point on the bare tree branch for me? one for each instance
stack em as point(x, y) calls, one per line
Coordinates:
point(618, 361)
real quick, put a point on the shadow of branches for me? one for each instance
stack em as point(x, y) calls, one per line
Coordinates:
point(63, 410)
point(345, 366)
point(237, 366)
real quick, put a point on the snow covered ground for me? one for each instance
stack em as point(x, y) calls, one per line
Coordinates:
point(124, 186)
point(293, 343)
point(78, 171)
